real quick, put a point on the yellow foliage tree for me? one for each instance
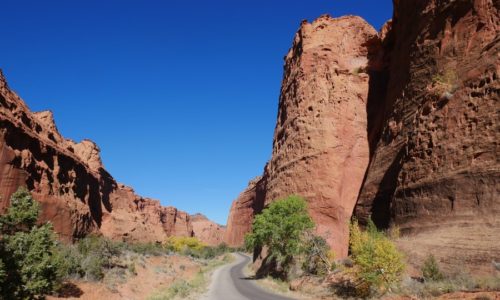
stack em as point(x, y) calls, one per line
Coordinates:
point(182, 243)
point(379, 264)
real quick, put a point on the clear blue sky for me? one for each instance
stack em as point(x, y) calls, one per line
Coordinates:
point(181, 96)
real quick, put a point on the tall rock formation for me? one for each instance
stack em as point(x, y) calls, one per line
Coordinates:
point(76, 193)
point(415, 109)
point(320, 148)
point(435, 170)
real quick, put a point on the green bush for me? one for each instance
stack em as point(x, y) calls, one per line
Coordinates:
point(378, 263)
point(30, 265)
point(22, 213)
point(211, 252)
point(281, 227)
point(146, 248)
point(430, 269)
point(96, 256)
point(33, 253)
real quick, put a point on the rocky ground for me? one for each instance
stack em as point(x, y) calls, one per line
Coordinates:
point(152, 277)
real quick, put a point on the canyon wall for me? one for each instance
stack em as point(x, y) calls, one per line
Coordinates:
point(76, 193)
point(320, 147)
point(401, 126)
point(435, 170)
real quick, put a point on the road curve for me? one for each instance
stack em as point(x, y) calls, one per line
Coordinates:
point(229, 283)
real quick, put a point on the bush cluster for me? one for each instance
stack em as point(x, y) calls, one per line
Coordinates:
point(191, 246)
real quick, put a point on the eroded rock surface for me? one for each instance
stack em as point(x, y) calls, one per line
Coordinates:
point(435, 168)
point(320, 148)
point(416, 106)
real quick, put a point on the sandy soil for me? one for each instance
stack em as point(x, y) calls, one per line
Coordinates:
point(152, 274)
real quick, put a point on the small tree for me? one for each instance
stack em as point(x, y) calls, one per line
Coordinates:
point(281, 228)
point(28, 251)
point(379, 264)
point(22, 213)
point(430, 269)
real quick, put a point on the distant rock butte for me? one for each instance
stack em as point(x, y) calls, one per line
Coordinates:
point(76, 193)
point(209, 232)
point(400, 125)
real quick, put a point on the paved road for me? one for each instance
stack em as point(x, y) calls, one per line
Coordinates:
point(229, 283)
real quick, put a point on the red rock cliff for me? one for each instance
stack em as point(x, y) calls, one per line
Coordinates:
point(416, 107)
point(76, 193)
point(435, 169)
point(320, 148)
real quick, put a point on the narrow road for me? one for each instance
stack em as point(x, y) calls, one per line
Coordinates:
point(229, 283)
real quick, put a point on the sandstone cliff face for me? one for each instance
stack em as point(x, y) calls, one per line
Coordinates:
point(249, 203)
point(415, 109)
point(208, 232)
point(435, 170)
point(320, 148)
point(76, 193)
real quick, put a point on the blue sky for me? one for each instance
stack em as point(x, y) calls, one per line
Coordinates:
point(181, 96)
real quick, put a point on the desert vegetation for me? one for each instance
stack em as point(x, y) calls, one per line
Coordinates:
point(33, 263)
point(301, 263)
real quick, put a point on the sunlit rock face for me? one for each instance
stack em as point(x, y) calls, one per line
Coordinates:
point(209, 232)
point(400, 126)
point(77, 195)
point(320, 148)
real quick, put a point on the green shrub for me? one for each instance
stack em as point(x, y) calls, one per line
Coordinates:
point(22, 213)
point(69, 260)
point(430, 269)
point(281, 227)
point(146, 248)
point(96, 256)
point(208, 252)
point(378, 263)
point(31, 267)
point(33, 253)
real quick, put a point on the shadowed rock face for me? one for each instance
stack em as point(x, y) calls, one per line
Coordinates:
point(435, 167)
point(76, 193)
point(320, 148)
point(249, 203)
point(414, 109)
